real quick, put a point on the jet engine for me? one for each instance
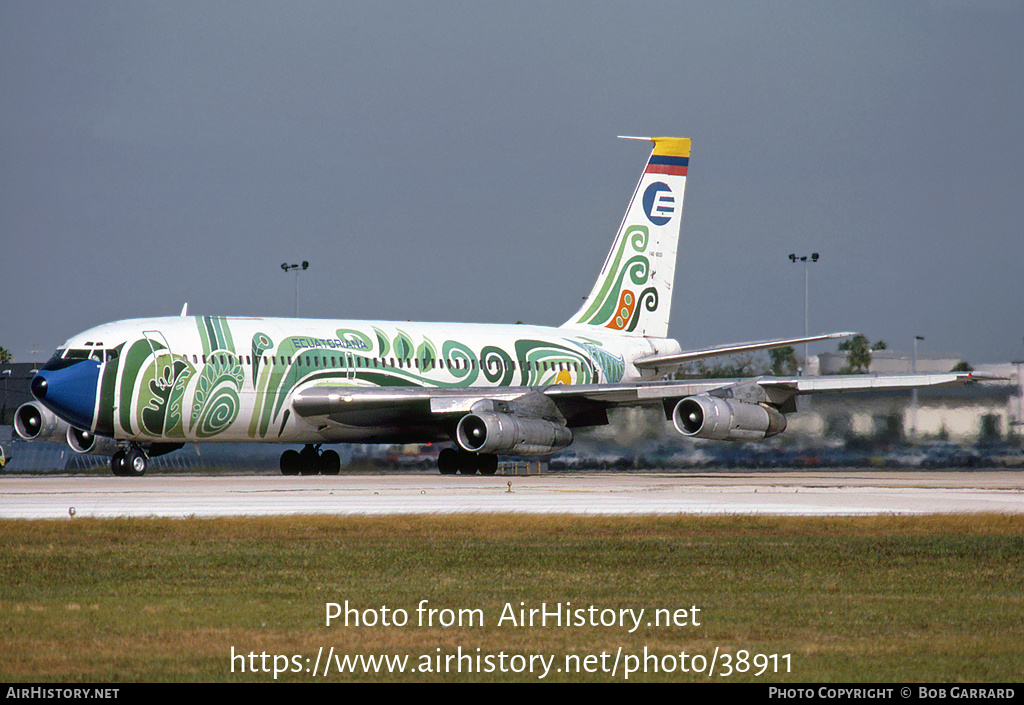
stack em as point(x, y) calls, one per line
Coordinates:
point(491, 432)
point(89, 443)
point(34, 422)
point(704, 416)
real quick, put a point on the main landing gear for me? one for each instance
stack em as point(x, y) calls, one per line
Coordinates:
point(310, 461)
point(451, 461)
point(129, 462)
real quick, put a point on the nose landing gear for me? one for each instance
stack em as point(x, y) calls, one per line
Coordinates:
point(129, 462)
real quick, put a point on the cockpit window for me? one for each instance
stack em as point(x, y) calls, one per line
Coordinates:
point(64, 357)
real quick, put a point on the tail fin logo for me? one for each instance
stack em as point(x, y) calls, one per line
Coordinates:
point(659, 203)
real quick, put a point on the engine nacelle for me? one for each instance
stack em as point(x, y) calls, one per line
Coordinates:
point(704, 416)
point(89, 443)
point(34, 422)
point(490, 432)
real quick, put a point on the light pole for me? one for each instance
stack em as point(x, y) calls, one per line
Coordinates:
point(1020, 401)
point(297, 267)
point(813, 258)
point(1019, 423)
point(913, 392)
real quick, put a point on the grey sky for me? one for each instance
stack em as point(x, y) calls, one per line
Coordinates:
point(458, 162)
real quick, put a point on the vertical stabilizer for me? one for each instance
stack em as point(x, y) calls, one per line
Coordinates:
point(633, 293)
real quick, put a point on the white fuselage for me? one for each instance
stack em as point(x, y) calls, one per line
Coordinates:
point(201, 378)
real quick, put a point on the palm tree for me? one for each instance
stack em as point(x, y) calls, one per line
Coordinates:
point(784, 361)
point(858, 354)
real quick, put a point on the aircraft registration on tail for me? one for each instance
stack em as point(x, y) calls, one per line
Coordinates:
point(138, 388)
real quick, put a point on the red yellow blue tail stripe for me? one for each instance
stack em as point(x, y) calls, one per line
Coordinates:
point(660, 164)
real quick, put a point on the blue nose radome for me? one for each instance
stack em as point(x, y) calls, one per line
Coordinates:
point(69, 392)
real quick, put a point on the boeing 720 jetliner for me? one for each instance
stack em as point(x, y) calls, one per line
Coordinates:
point(138, 388)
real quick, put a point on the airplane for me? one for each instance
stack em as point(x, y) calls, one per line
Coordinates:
point(139, 388)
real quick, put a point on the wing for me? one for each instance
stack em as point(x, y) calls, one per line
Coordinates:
point(535, 420)
point(858, 383)
point(747, 409)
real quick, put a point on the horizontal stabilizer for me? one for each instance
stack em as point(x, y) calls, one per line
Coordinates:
point(692, 355)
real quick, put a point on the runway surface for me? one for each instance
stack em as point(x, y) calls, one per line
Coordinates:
point(780, 493)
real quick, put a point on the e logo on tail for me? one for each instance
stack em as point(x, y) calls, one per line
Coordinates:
point(659, 203)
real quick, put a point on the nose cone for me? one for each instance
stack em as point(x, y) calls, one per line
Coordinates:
point(69, 392)
point(39, 387)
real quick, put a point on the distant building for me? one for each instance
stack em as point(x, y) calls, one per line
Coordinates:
point(15, 379)
point(978, 413)
point(981, 412)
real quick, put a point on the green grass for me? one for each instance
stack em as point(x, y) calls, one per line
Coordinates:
point(937, 599)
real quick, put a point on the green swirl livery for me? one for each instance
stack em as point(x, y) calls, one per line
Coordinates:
point(132, 389)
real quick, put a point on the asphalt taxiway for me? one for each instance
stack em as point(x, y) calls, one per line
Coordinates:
point(780, 493)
